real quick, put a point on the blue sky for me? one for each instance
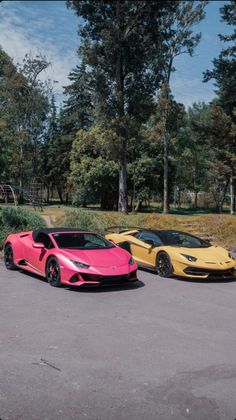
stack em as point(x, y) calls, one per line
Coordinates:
point(50, 28)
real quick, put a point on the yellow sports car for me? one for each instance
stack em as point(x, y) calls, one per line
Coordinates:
point(171, 252)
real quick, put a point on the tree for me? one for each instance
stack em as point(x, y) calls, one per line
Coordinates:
point(78, 107)
point(35, 102)
point(8, 140)
point(24, 106)
point(224, 70)
point(122, 48)
point(93, 173)
point(220, 165)
point(179, 39)
point(174, 122)
point(191, 152)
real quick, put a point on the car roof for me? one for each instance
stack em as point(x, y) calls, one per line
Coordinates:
point(47, 231)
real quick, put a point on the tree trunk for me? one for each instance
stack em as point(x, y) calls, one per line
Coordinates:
point(196, 199)
point(232, 195)
point(122, 201)
point(59, 191)
point(21, 197)
point(166, 169)
point(166, 142)
point(179, 199)
point(138, 206)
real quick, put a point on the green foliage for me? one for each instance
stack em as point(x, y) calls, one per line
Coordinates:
point(94, 221)
point(122, 46)
point(223, 73)
point(78, 109)
point(54, 153)
point(220, 229)
point(16, 220)
point(23, 111)
point(144, 176)
point(94, 176)
point(99, 221)
point(119, 118)
point(20, 218)
point(224, 69)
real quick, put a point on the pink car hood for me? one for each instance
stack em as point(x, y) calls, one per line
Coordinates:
point(99, 257)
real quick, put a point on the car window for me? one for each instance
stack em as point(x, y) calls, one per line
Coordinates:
point(45, 239)
point(183, 239)
point(93, 240)
point(149, 236)
point(81, 241)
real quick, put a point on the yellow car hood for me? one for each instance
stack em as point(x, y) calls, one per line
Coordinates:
point(213, 254)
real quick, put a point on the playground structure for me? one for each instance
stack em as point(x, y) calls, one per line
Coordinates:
point(8, 194)
point(33, 195)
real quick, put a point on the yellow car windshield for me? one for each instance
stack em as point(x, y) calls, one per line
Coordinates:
point(182, 239)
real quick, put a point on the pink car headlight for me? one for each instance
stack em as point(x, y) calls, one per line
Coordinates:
point(80, 264)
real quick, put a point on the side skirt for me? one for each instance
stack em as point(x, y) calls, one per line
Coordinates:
point(25, 265)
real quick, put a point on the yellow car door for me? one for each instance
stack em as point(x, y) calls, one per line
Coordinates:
point(143, 247)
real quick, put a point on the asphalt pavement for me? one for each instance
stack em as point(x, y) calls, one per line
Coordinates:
point(162, 349)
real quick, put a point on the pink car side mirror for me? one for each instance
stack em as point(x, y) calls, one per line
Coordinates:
point(38, 245)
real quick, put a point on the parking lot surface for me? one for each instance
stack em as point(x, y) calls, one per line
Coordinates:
point(161, 349)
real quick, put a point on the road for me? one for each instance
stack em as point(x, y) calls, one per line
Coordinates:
point(164, 349)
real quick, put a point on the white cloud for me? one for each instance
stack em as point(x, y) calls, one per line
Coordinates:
point(23, 30)
point(187, 90)
point(51, 29)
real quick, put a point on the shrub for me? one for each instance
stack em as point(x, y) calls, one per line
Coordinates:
point(85, 219)
point(14, 219)
point(99, 221)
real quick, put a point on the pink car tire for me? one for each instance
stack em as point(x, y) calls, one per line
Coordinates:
point(53, 274)
point(9, 257)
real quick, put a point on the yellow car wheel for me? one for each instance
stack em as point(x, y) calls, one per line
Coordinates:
point(163, 265)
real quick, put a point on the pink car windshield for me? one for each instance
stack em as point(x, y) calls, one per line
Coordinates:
point(79, 240)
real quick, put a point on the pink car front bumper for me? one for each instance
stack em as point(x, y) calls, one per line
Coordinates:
point(91, 279)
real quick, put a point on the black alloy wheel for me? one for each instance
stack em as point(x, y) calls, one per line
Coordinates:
point(53, 274)
point(163, 265)
point(9, 257)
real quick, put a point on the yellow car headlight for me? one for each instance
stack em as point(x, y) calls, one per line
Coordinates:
point(189, 257)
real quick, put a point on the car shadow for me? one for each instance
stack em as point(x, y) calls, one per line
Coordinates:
point(201, 280)
point(106, 289)
point(95, 289)
point(193, 279)
point(29, 274)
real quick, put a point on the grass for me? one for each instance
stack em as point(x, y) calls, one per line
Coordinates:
point(219, 228)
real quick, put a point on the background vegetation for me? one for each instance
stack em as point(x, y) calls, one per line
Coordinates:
point(220, 229)
point(17, 220)
point(120, 138)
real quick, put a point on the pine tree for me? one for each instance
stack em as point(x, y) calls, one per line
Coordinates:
point(223, 73)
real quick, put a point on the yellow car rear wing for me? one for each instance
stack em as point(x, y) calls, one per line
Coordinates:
point(122, 229)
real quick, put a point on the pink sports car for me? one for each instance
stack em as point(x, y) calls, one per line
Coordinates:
point(69, 256)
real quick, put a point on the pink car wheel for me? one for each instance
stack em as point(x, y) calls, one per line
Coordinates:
point(53, 274)
point(9, 257)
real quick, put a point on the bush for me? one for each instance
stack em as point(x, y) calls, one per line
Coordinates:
point(87, 220)
point(220, 229)
point(14, 219)
point(99, 221)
